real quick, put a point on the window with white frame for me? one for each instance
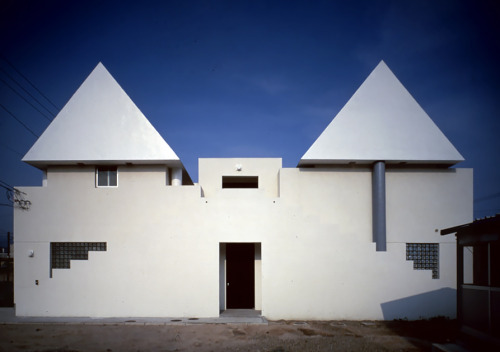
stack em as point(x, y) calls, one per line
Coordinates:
point(106, 176)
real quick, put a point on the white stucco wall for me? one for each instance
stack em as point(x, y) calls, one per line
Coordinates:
point(317, 256)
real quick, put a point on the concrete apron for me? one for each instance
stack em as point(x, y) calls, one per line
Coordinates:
point(230, 316)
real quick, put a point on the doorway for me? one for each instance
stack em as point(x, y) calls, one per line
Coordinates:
point(240, 277)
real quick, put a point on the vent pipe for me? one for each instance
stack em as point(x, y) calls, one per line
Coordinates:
point(176, 176)
point(378, 206)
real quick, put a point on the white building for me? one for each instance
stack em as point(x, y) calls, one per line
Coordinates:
point(118, 229)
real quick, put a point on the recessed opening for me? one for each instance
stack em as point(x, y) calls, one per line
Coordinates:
point(240, 181)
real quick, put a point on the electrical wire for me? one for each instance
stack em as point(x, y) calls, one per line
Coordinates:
point(16, 81)
point(9, 187)
point(9, 148)
point(15, 196)
point(27, 80)
point(26, 100)
point(6, 186)
point(27, 92)
point(14, 116)
point(487, 197)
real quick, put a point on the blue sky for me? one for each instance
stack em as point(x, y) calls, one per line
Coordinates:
point(255, 78)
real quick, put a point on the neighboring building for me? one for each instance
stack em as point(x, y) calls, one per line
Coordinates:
point(118, 229)
point(478, 280)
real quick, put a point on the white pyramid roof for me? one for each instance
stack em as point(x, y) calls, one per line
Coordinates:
point(100, 124)
point(381, 121)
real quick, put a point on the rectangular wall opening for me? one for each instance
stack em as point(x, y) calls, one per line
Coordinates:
point(240, 276)
point(240, 181)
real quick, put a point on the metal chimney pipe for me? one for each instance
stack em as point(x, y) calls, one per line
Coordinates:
point(379, 206)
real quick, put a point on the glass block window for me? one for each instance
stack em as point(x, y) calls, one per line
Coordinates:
point(106, 176)
point(62, 252)
point(425, 256)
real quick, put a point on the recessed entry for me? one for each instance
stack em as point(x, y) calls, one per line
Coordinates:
point(240, 276)
point(240, 181)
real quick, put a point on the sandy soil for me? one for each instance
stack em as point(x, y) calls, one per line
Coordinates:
point(278, 336)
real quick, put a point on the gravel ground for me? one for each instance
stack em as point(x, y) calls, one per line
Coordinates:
point(277, 336)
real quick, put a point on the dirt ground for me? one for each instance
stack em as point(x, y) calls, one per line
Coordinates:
point(278, 336)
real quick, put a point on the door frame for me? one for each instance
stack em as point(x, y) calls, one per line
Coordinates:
point(257, 275)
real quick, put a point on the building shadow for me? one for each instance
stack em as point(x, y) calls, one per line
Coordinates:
point(438, 303)
point(425, 318)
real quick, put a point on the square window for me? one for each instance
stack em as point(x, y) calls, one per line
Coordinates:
point(106, 176)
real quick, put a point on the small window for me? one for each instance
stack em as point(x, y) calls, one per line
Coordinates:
point(240, 181)
point(425, 256)
point(106, 176)
point(480, 264)
point(61, 253)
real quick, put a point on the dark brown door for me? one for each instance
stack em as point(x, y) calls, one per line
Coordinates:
point(240, 274)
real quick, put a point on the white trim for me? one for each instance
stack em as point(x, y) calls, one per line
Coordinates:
point(97, 179)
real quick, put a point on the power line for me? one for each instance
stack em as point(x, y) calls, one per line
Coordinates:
point(31, 95)
point(26, 100)
point(15, 196)
point(6, 185)
point(14, 116)
point(487, 197)
point(31, 83)
point(9, 187)
point(9, 148)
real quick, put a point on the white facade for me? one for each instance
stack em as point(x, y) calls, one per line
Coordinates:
point(170, 251)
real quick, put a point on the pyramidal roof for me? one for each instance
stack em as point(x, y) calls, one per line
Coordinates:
point(100, 124)
point(381, 121)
